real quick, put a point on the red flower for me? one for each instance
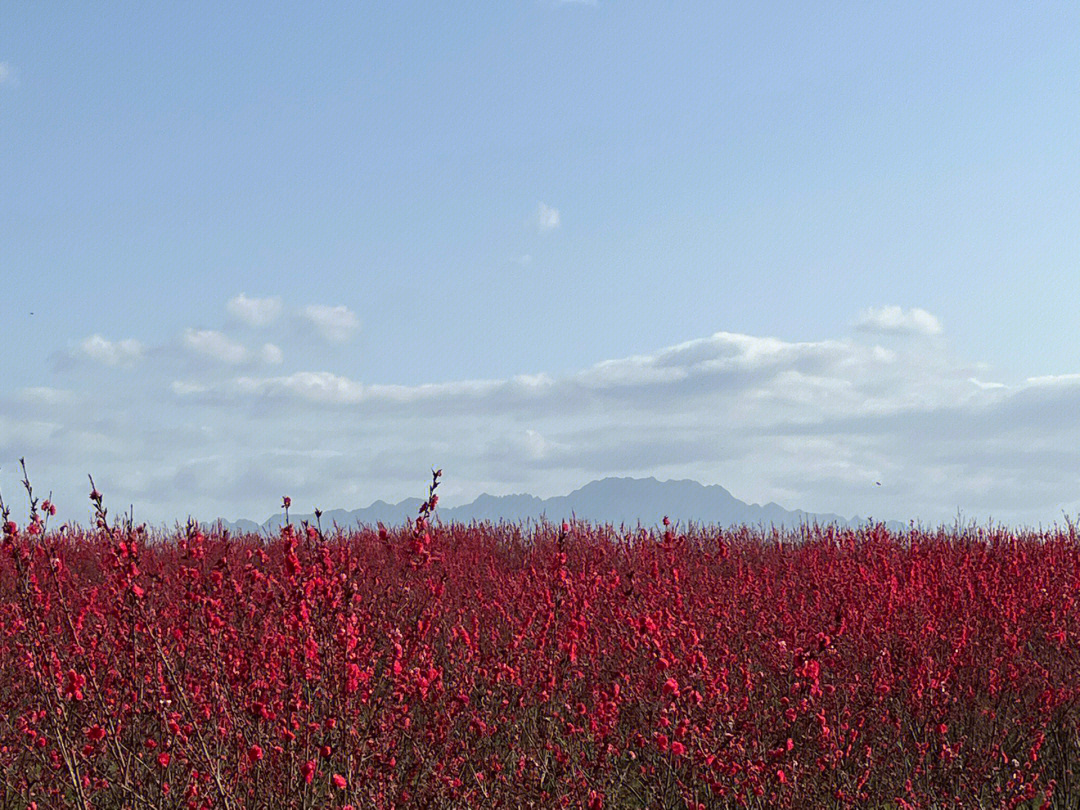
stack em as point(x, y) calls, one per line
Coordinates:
point(339, 781)
point(307, 771)
point(73, 684)
point(255, 753)
point(163, 759)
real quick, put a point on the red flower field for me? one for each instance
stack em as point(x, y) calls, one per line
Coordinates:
point(541, 666)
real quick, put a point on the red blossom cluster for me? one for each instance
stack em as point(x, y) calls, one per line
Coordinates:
point(443, 666)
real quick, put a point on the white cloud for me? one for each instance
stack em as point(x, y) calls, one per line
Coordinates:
point(883, 355)
point(271, 354)
point(218, 346)
point(894, 320)
point(7, 73)
point(110, 352)
point(547, 218)
point(215, 345)
point(831, 376)
point(255, 311)
point(335, 324)
point(535, 445)
point(314, 386)
point(1054, 379)
point(327, 388)
point(41, 395)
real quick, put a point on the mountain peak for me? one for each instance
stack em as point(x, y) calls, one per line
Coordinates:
point(615, 500)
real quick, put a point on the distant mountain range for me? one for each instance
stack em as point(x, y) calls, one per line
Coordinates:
point(611, 500)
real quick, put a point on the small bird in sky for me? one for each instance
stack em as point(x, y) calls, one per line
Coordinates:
point(878, 483)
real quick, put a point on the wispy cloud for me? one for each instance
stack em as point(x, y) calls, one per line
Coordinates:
point(547, 218)
point(323, 387)
point(255, 311)
point(215, 345)
point(334, 324)
point(43, 395)
point(7, 73)
point(182, 388)
point(110, 352)
point(895, 320)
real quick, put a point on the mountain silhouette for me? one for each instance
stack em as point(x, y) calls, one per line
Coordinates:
point(628, 501)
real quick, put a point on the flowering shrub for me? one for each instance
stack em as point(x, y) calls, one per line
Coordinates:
point(543, 666)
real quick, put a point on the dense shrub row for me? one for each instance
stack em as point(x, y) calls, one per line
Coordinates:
point(545, 666)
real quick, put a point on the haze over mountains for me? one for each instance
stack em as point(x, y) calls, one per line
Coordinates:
point(611, 500)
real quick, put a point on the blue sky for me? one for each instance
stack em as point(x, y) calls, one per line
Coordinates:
point(431, 195)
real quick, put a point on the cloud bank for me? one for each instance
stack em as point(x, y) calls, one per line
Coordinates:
point(210, 429)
